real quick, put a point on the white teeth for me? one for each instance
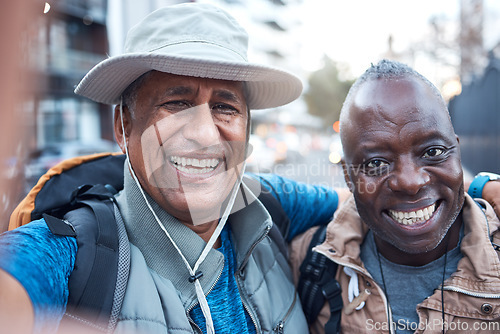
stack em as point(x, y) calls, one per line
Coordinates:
point(412, 217)
point(193, 170)
point(201, 165)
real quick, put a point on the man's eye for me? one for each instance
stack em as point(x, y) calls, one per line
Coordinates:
point(224, 108)
point(433, 152)
point(376, 163)
point(176, 105)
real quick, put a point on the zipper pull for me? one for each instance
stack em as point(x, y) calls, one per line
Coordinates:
point(279, 327)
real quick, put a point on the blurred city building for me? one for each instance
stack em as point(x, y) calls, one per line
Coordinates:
point(475, 115)
point(475, 110)
point(71, 39)
point(17, 20)
point(471, 40)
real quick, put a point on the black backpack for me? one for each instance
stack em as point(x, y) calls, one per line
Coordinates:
point(81, 191)
point(317, 284)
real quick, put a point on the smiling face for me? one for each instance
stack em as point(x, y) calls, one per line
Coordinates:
point(403, 165)
point(186, 142)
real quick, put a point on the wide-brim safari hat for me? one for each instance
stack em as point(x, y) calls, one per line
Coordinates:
point(198, 40)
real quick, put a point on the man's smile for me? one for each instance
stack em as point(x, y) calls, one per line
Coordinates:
point(413, 217)
point(194, 165)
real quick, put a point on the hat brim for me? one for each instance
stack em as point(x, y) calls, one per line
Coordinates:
point(267, 87)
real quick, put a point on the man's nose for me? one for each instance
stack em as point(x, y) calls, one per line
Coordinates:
point(201, 127)
point(408, 177)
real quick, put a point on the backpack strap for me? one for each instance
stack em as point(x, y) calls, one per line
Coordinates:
point(273, 206)
point(281, 222)
point(317, 284)
point(93, 281)
point(54, 189)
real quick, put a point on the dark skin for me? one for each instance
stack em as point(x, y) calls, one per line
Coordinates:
point(402, 159)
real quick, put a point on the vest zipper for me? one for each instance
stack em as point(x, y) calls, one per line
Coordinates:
point(279, 328)
point(245, 260)
point(197, 302)
point(250, 314)
point(266, 232)
point(281, 324)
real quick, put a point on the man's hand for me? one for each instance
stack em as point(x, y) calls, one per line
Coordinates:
point(16, 310)
point(491, 193)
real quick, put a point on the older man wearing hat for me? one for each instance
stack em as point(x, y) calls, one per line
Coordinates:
point(204, 256)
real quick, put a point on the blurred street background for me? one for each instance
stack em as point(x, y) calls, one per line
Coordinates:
point(328, 43)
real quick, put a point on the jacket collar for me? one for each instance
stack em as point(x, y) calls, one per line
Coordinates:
point(249, 224)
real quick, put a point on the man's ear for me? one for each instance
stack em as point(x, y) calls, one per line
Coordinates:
point(346, 177)
point(458, 139)
point(121, 137)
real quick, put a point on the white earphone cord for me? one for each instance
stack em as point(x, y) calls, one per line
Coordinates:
point(192, 271)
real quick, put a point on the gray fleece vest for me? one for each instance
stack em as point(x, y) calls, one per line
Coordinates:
point(159, 296)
